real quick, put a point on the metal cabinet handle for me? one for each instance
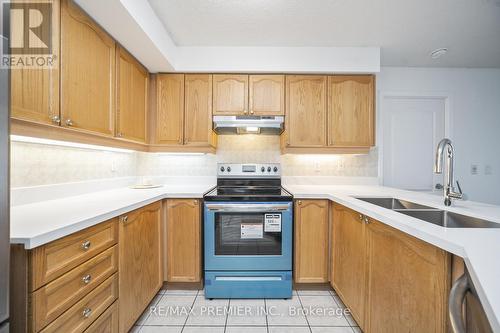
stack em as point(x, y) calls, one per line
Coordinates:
point(195, 202)
point(119, 134)
point(124, 219)
point(86, 245)
point(87, 278)
point(251, 112)
point(455, 301)
point(69, 122)
point(245, 111)
point(86, 312)
point(360, 217)
point(367, 219)
point(299, 202)
point(56, 119)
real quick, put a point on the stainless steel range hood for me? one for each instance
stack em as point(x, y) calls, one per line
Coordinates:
point(271, 125)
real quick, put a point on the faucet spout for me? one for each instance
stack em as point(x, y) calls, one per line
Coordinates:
point(445, 149)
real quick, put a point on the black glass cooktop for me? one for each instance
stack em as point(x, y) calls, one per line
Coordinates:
point(248, 193)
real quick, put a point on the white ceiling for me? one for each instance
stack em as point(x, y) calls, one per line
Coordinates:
point(406, 30)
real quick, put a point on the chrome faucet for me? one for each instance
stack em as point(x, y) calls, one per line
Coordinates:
point(449, 190)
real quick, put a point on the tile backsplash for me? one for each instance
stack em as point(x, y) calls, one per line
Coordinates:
point(36, 164)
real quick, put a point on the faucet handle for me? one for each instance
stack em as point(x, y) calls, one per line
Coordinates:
point(459, 188)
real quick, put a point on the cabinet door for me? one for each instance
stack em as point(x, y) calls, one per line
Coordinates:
point(230, 94)
point(198, 110)
point(183, 240)
point(349, 260)
point(169, 109)
point(351, 111)
point(311, 241)
point(140, 268)
point(267, 95)
point(35, 91)
point(87, 72)
point(407, 277)
point(132, 97)
point(305, 111)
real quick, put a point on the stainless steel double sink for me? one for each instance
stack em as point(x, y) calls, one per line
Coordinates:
point(429, 214)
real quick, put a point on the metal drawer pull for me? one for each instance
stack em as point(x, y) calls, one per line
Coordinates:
point(86, 245)
point(367, 219)
point(248, 278)
point(455, 302)
point(247, 208)
point(360, 217)
point(87, 312)
point(124, 219)
point(86, 279)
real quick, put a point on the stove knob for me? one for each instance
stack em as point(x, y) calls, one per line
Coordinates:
point(262, 169)
point(222, 169)
point(268, 169)
point(275, 169)
point(228, 169)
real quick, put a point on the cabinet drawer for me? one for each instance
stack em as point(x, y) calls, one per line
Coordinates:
point(88, 309)
point(56, 297)
point(52, 260)
point(107, 322)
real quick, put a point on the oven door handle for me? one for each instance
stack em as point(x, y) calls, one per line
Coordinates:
point(248, 208)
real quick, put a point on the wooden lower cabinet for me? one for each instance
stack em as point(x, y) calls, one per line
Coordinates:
point(408, 282)
point(348, 275)
point(311, 241)
point(183, 240)
point(392, 282)
point(141, 273)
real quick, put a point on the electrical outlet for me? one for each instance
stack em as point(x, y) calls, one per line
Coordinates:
point(488, 170)
point(474, 169)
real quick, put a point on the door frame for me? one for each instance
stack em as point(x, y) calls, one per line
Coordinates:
point(384, 95)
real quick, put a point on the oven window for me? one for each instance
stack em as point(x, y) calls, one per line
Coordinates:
point(244, 234)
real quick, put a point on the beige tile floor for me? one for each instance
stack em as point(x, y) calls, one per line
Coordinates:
point(187, 311)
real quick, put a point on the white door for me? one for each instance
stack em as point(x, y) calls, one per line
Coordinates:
point(411, 128)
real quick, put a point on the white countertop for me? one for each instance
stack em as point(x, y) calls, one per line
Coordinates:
point(41, 222)
point(38, 223)
point(480, 248)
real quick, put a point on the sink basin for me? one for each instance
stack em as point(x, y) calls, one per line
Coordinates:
point(449, 219)
point(392, 203)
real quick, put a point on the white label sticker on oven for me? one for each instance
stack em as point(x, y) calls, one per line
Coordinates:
point(251, 231)
point(272, 223)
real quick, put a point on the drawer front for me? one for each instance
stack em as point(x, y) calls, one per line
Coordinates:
point(53, 299)
point(52, 260)
point(107, 322)
point(81, 315)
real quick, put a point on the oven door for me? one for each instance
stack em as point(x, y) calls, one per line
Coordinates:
point(248, 236)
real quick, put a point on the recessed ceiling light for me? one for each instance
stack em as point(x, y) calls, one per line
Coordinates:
point(438, 53)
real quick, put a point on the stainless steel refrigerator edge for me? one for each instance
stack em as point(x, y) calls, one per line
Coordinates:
point(4, 191)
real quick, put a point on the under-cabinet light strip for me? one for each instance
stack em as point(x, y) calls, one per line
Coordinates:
point(27, 139)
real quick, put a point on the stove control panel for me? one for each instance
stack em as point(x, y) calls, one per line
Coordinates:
point(248, 170)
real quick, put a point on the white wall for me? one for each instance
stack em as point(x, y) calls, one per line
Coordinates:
point(474, 104)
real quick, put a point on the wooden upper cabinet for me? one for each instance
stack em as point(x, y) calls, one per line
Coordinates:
point(198, 110)
point(230, 94)
point(266, 95)
point(183, 240)
point(405, 276)
point(306, 111)
point(87, 72)
point(311, 241)
point(34, 91)
point(169, 109)
point(351, 111)
point(140, 268)
point(131, 97)
point(348, 274)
